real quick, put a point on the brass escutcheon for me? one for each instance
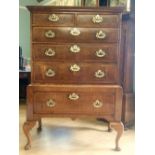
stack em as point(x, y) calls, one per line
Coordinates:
point(49, 52)
point(97, 19)
point(50, 103)
point(97, 104)
point(53, 18)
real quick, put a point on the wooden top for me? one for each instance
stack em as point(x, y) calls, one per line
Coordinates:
point(74, 9)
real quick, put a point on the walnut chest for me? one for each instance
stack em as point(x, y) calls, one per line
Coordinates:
point(76, 65)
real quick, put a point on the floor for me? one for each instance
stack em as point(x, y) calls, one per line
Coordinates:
point(63, 136)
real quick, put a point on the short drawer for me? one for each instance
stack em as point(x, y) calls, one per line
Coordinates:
point(77, 52)
point(98, 20)
point(67, 72)
point(53, 19)
point(80, 100)
point(70, 34)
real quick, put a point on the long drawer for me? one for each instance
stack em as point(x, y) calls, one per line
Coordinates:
point(67, 72)
point(77, 52)
point(75, 99)
point(72, 34)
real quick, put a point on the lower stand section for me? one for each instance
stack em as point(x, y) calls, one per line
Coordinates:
point(119, 128)
point(28, 125)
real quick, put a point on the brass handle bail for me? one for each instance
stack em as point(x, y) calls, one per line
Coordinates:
point(50, 34)
point(75, 49)
point(74, 68)
point(100, 35)
point(75, 32)
point(100, 53)
point(73, 96)
point(99, 74)
point(50, 73)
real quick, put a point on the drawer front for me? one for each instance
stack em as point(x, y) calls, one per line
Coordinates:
point(53, 19)
point(98, 20)
point(57, 72)
point(70, 34)
point(76, 52)
point(74, 102)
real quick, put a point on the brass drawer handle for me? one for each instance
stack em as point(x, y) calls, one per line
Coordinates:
point(100, 35)
point(50, 73)
point(49, 34)
point(97, 19)
point(75, 49)
point(73, 96)
point(74, 68)
point(53, 18)
point(50, 103)
point(75, 32)
point(97, 104)
point(49, 52)
point(100, 53)
point(99, 74)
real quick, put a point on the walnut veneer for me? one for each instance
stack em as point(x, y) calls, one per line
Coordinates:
point(76, 65)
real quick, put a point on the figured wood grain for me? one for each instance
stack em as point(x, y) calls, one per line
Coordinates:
point(86, 53)
point(86, 35)
point(63, 73)
point(107, 94)
point(82, 105)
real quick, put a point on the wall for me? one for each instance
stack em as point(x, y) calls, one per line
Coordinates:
point(24, 26)
point(24, 32)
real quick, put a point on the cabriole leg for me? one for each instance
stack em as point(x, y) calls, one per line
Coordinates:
point(119, 128)
point(28, 125)
point(109, 127)
point(39, 124)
